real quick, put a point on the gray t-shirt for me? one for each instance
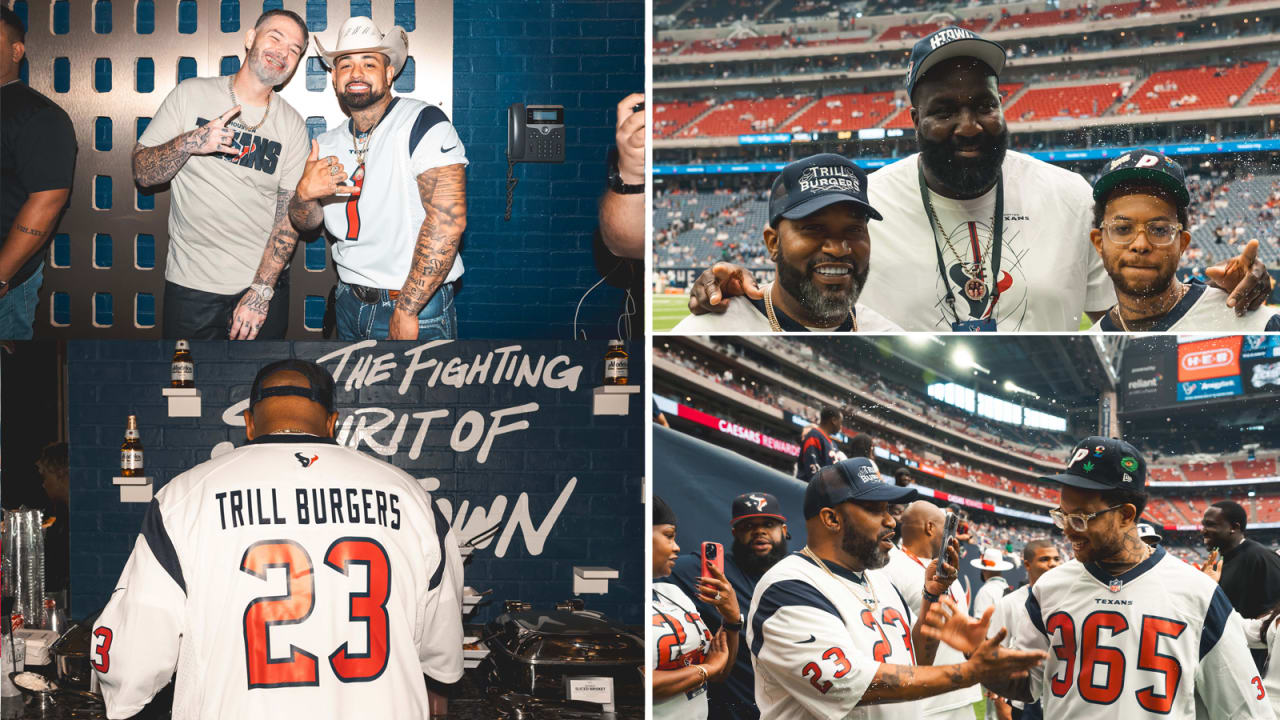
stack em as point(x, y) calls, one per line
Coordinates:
point(223, 206)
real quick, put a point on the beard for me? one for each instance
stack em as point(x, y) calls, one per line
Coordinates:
point(755, 565)
point(829, 305)
point(866, 550)
point(362, 101)
point(1151, 288)
point(266, 73)
point(965, 177)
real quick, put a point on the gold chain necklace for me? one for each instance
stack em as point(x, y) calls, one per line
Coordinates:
point(975, 268)
point(1178, 295)
point(875, 601)
point(773, 318)
point(362, 149)
point(231, 85)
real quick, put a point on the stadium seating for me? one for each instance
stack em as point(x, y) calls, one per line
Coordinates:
point(710, 13)
point(1007, 91)
point(666, 47)
point(919, 30)
point(1196, 472)
point(1197, 88)
point(1247, 469)
point(799, 9)
point(1041, 19)
point(1074, 101)
point(1165, 474)
point(670, 117)
point(849, 111)
point(1167, 6)
point(745, 44)
point(1269, 93)
point(1244, 208)
point(1116, 11)
point(753, 115)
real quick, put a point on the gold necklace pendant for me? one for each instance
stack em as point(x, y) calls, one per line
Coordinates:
point(871, 604)
point(231, 86)
point(773, 318)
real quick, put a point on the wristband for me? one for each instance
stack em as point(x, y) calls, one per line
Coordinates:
point(930, 596)
point(702, 670)
point(733, 626)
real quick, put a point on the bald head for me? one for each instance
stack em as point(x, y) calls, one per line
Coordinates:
point(293, 413)
point(922, 523)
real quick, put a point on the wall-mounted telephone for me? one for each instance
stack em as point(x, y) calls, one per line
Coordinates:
point(535, 133)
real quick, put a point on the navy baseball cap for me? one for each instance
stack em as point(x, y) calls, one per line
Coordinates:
point(756, 504)
point(951, 42)
point(319, 383)
point(1100, 463)
point(807, 185)
point(1148, 166)
point(852, 479)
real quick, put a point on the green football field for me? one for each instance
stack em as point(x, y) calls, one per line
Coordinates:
point(671, 309)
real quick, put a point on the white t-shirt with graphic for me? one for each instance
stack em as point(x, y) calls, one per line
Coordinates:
point(1049, 272)
point(744, 317)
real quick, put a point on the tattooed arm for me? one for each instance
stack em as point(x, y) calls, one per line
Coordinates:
point(989, 664)
point(32, 225)
point(251, 312)
point(443, 191)
point(157, 165)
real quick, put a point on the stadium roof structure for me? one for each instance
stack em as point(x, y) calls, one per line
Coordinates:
point(1066, 371)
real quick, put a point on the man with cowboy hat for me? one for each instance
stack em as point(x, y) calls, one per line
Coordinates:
point(992, 564)
point(396, 246)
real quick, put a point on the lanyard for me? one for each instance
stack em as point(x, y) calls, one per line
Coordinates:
point(997, 239)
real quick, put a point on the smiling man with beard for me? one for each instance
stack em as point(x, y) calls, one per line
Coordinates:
point(233, 151)
point(759, 541)
point(399, 221)
point(1140, 232)
point(818, 238)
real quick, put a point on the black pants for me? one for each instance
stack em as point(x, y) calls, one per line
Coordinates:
point(198, 315)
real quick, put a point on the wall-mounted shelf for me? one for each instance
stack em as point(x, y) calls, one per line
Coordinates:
point(612, 399)
point(137, 489)
point(183, 402)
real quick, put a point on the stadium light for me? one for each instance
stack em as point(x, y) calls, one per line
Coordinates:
point(963, 359)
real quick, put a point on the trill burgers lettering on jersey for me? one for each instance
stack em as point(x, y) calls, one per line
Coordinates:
point(310, 506)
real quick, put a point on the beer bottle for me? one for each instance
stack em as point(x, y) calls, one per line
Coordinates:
point(615, 364)
point(182, 370)
point(131, 450)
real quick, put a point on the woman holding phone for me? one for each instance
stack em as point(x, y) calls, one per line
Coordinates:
point(685, 656)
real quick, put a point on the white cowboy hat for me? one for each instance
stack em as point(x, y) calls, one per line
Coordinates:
point(993, 560)
point(359, 34)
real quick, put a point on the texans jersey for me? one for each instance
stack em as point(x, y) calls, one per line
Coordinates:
point(816, 646)
point(290, 577)
point(376, 231)
point(681, 639)
point(816, 452)
point(1160, 641)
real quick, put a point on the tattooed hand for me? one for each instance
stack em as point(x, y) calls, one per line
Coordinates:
point(403, 325)
point(323, 177)
point(249, 316)
point(212, 137)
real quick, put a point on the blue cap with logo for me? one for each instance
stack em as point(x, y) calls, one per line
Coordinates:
point(810, 184)
point(1145, 166)
point(1101, 463)
point(852, 479)
point(951, 42)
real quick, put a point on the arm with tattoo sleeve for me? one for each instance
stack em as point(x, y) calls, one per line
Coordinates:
point(443, 191)
point(251, 312)
point(157, 165)
point(305, 214)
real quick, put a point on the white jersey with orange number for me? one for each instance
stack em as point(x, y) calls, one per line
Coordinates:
point(681, 639)
point(376, 231)
point(291, 577)
point(1159, 641)
point(818, 639)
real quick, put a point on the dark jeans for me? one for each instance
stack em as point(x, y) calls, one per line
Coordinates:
point(198, 315)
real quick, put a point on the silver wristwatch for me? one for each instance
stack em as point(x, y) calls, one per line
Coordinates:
point(264, 290)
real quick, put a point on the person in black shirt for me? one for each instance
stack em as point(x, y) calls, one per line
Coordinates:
point(817, 450)
point(37, 162)
point(55, 472)
point(759, 541)
point(1250, 570)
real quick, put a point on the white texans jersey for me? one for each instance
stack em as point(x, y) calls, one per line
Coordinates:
point(290, 577)
point(907, 572)
point(1160, 641)
point(816, 646)
point(1204, 309)
point(1009, 614)
point(681, 639)
point(376, 231)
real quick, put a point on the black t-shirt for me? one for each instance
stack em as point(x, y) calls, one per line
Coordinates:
point(1251, 577)
point(37, 153)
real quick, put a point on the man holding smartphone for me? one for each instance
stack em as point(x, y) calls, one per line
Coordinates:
point(759, 541)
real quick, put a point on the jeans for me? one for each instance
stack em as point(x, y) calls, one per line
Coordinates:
point(18, 308)
point(357, 320)
point(199, 315)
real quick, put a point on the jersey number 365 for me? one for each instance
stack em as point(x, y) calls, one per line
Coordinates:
point(369, 607)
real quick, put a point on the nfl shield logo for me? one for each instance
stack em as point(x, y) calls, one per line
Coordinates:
point(1115, 585)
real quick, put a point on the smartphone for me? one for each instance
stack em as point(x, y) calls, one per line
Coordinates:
point(949, 528)
point(712, 554)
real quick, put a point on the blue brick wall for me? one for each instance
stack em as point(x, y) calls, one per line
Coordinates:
point(600, 524)
point(527, 274)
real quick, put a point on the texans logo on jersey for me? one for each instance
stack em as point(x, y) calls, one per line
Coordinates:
point(304, 460)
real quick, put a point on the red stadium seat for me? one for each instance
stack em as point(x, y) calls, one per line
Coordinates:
point(1204, 471)
point(738, 117)
point(1195, 88)
point(1246, 469)
point(670, 117)
point(1269, 93)
point(837, 112)
point(1076, 101)
point(1041, 19)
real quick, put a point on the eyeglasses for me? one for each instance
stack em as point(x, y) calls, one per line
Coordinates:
point(1078, 521)
point(1124, 232)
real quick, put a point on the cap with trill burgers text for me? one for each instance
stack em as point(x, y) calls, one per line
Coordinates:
point(810, 184)
point(947, 43)
point(852, 479)
point(1100, 463)
point(754, 505)
point(1145, 166)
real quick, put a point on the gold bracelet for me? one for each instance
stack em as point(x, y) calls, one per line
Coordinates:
point(702, 670)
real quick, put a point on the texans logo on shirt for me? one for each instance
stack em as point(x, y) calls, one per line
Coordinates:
point(304, 460)
point(251, 151)
point(976, 291)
